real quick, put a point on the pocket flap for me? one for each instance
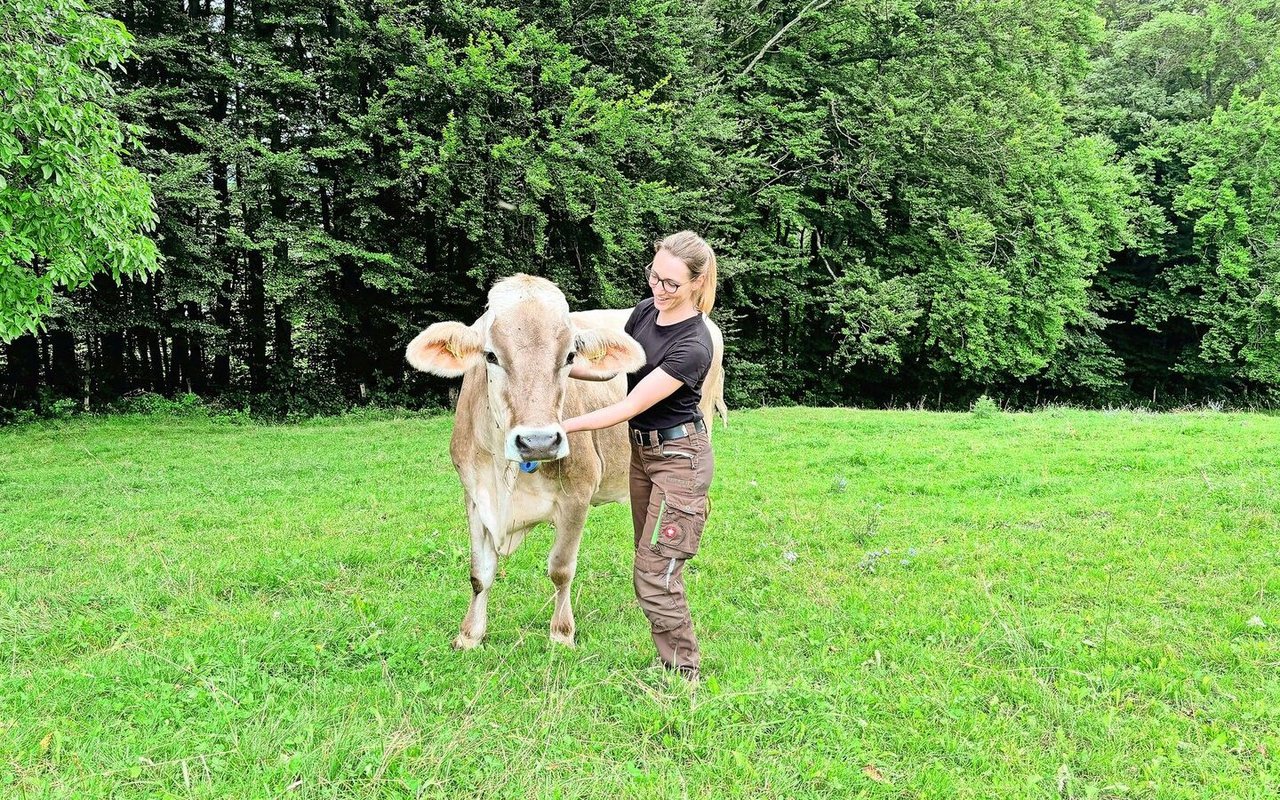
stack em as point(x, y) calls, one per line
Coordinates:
point(679, 530)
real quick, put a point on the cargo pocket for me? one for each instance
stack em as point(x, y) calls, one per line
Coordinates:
point(679, 528)
point(653, 577)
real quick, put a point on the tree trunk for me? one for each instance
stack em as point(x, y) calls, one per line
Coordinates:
point(255, 322)
point(222, 315)
point(193, 369)
point(159, 368)
point(222, 311)
point(112, 381)
point(136, 351)
point(283, 347)
point(64, 370)
point(222, 359)
point(178, 361)
point(23, 373)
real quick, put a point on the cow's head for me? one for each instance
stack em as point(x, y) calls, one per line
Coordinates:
point(525, 343)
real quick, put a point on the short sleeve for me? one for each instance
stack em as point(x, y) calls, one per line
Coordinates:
point(687, 362)
point(630, 328)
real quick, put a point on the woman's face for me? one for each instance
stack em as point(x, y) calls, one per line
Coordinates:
point(666, 272)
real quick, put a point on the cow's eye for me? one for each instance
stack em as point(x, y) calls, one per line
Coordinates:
point(491, 357)
point(568, 360)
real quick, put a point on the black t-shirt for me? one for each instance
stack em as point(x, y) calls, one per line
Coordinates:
point(683, 350)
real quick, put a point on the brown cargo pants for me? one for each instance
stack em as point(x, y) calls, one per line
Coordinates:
point(669, 504)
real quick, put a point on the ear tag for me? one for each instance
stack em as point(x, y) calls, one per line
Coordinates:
point(528, 467)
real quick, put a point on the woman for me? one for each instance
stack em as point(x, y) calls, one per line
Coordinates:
point(671, 461)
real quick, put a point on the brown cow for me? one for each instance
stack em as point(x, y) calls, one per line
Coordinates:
point(515, 362)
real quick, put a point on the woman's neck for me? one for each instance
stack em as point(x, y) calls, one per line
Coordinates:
point(680, 313)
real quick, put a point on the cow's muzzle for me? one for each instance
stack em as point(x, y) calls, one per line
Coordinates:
point(529, 443)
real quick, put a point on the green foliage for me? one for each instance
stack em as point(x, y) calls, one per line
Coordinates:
point(876, 315)
point(1185, 91)
point(69, 207)
point(918, 156)
point(1232, 292)
point(153, 404)
point(909, 199)
point(984, 408)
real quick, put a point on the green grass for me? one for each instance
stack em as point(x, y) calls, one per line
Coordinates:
point(891, 605)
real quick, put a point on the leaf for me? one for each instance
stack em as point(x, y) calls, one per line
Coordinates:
point(46, 742)
point(874, 774)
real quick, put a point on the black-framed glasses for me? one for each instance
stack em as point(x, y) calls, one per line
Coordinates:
point(669, 285)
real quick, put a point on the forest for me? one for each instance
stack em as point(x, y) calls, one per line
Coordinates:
point(259, 202)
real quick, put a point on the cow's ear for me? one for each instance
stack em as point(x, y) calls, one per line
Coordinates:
point(446, 348)
point(607, 352)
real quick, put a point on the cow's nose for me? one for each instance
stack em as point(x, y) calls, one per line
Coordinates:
point(534, 445)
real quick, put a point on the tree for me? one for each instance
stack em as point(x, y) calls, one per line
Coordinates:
point(1186, 89)
point(69, 206)
point(1231, 289)
point(914, 186)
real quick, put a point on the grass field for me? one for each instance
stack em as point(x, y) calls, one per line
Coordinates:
point(891, 605)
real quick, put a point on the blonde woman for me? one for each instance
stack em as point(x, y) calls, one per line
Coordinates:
point(671, 460)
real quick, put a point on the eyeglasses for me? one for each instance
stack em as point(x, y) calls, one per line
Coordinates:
point(669, 285)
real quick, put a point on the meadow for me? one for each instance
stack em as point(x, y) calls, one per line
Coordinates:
point(1061, 604)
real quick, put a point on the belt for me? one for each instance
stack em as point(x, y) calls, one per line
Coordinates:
point(651, 438)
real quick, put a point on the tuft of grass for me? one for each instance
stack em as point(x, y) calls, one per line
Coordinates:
point(1069, 604)
point(984, 408)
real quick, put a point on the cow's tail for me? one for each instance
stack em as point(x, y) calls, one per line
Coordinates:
point(722, 411)
point(718, 406)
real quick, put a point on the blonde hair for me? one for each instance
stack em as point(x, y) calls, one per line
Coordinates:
point(698, 256)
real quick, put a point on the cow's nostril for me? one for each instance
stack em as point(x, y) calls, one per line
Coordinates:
point(538, 443)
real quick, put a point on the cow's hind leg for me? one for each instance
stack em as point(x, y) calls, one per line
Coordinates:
point(562, 564)
point(484, 566)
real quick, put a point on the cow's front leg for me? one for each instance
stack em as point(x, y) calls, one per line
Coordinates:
point(484, 566)
point(562, 564)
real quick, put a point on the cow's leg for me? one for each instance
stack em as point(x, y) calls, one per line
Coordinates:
point(484, 565)
point(562, 564)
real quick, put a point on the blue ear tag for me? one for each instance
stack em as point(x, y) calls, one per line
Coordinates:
point(528, 467)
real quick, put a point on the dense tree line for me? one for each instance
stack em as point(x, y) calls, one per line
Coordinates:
point(1051, 199)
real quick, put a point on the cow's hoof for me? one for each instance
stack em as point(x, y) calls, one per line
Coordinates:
point(464, 642)
point(565, 639)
